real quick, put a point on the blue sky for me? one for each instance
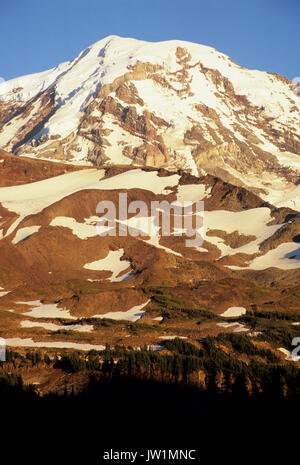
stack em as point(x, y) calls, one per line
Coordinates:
point(39, 34)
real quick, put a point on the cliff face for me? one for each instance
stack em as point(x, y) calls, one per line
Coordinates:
point(171, 104)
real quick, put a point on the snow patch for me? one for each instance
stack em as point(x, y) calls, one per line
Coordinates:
point(40, 310)
point(81, 230)
point(54, 327)
point(286, 257)
point(158, 318)
point(3, 292)
point(24, 233)
point(192, 192)
point(133, 314)
point(113, 263)
point(288, 355)
point(234, 311)
point(29, 342)
point(30, 199)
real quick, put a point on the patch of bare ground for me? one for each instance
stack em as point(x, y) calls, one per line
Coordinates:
point(16, 170)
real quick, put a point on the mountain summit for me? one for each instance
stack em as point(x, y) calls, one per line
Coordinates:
point(154, 126)
point(173, 104)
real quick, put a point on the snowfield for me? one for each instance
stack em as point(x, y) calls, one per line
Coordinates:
point(113, 263)
point(139, 179)
point(39, 310)
point(286, 257)
point(234, 311)
point(29, 342)
point(81, 230)
point(24, 233)
point(192, 192)
point(134, 314)
point(55, 327)
point(251, 222)
point(30, 199)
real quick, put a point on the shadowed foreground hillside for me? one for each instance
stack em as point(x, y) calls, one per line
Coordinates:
point(139, 398)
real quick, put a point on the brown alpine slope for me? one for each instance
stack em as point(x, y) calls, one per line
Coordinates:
point(61, 283)
point(16, 170)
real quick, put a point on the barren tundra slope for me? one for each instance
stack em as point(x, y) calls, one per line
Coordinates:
point(61, 283)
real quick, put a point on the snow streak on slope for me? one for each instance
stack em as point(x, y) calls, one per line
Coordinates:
point(32, 198)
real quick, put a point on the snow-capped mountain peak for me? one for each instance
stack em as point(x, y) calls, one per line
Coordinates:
point(174, 104)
